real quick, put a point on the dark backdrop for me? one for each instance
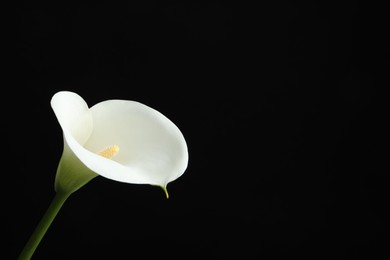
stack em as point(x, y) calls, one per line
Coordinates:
point(280, 105)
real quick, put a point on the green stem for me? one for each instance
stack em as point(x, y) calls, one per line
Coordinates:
point(43, 225)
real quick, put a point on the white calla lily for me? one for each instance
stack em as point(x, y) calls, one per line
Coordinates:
point(121, 140)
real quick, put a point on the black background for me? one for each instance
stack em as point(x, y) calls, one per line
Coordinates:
point(280, 105)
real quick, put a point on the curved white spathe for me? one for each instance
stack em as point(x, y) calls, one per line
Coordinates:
point(152, 150)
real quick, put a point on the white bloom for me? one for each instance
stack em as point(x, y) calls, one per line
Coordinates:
point(121, 140)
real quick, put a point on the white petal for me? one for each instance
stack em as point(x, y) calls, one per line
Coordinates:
point(151, 148)
point(73, 115)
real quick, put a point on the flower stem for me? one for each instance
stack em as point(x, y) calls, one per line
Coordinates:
point(43, 225)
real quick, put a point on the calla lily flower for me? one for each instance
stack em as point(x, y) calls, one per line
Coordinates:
point(121, 140)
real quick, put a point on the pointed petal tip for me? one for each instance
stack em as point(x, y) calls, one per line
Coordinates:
point(164, 188)
point(165, 191)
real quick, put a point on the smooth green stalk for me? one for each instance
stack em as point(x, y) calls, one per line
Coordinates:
point(43, 225)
